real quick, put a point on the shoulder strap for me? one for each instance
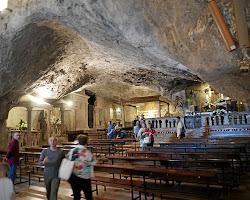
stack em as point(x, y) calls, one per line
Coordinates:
point(74, 154)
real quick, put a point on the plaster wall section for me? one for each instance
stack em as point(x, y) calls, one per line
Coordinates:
point(70, 116)
point(130, 114)
point(81, 111)
point(15, 116)
point(102, 112)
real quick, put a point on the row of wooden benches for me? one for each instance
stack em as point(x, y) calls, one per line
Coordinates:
point(222, 166)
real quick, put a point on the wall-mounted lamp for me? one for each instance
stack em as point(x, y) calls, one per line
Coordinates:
point(241, 23)
point(218, 18)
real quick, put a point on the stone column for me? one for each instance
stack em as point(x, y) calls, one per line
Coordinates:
point(62, 109)
point(159, 108)
point(123, 115)
point(226, 119)
point(29, 110)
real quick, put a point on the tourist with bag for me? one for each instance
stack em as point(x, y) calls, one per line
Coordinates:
point(141, 135)
point(51, 159)
point(83, 170)
point(180, 128)
point(149, 138)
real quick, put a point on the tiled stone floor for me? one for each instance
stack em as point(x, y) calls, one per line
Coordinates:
point(37, 191)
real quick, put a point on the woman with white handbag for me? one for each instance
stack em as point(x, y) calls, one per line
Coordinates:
point(141, 135)
point(83, 169)
point(149, 139)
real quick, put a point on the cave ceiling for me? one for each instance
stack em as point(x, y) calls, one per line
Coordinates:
point(117, 49)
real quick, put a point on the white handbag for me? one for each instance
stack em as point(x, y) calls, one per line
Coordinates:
point(66, 169)
point(147, 139)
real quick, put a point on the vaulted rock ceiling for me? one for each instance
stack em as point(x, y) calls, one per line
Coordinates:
point(106, 45)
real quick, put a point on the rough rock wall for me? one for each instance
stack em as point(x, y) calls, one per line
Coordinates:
point(71, 44)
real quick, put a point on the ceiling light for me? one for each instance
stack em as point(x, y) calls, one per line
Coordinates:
point(37, 100)
point(3, 4)
point(44, 92)
point(69, 103)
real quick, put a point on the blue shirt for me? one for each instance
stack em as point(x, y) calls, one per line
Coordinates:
point(110, 128)
point(136, 129)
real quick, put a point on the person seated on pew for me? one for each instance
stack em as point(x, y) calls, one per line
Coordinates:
point(117, 130)
point(6, 185)
point(150, 132)
point(110, 132)
point(83, 169)
point(141, 135)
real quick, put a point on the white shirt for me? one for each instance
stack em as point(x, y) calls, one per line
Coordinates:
point(140, 133)
point(6, 189)
point(179, 128)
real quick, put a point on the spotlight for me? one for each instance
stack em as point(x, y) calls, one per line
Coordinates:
point(69, 103)
point(37, 100)
point(44, 92)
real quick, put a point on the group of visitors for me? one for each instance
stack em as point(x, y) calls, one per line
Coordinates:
point(51, 159)
point(142, 132)
point(115, 131)
point(82, 171)
point(83, 160)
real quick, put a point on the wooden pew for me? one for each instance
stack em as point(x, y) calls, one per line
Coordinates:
point(221, 166)
point(198, 177)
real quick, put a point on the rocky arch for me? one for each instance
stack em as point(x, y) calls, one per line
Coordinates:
point(72, 44)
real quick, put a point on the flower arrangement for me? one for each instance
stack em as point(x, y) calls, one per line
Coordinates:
point(219, 112)
point(58, 120)
point(22, 124)
point(55, 120)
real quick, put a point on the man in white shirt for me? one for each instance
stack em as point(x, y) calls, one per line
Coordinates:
point(179, 127)
point(6, 185)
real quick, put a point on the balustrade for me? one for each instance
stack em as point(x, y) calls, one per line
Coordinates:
point(202, 120)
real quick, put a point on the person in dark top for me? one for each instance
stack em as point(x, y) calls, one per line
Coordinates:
point(142, 119)
point(136, 119)
point(51, 158)
point(13, 156)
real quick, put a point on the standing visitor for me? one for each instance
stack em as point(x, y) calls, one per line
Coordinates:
point(180, 127)
point(136, 129)
point(150, 133)
point(110, 132)
point(142, 119)
point(83, 169)
point(136, 120)
point(141, 135)
point(51, 158)
point(13, 156)
point(6, 185)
